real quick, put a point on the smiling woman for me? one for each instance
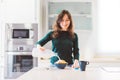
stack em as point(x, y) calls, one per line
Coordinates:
point(108, 29)
point(64, 39)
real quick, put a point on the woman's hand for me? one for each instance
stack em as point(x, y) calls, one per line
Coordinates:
point(75, 64)
point(40, 47)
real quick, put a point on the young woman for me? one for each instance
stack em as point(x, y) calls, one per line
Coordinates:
point(64, 39)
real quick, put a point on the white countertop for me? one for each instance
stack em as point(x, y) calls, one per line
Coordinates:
point(38, 73)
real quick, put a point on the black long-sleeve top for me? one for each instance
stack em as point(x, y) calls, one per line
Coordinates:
point(65, 46)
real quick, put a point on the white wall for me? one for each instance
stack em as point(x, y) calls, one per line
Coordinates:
point(108, 28)
point(1, 47)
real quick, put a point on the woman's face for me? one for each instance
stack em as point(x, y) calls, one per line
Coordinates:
point(65, 23)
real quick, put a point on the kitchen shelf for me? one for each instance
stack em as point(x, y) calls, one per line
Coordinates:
point(81, 11)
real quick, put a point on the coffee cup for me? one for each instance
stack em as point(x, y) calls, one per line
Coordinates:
point(83, 64)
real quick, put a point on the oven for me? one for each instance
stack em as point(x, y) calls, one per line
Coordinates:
point(22, 63)
point(18, 63)
point(20, 40)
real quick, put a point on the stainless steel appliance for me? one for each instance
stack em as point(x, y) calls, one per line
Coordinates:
point(20, 40)
point(21, 37)
point(22, 63)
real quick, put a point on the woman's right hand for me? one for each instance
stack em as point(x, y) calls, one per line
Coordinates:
point(40, 47)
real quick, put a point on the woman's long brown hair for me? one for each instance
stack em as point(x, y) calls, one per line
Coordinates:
point(57, 28)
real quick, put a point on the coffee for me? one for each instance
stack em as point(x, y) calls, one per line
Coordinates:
point(83, 64)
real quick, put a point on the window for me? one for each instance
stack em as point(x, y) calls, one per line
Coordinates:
point(109, 27)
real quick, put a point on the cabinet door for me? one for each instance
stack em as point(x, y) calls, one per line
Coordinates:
point(81, 13)
point(20, 10)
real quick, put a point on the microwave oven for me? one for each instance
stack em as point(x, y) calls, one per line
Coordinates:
point(20, 33)
point(21, 37)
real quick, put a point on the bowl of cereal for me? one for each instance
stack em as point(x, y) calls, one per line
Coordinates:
point(61, 64)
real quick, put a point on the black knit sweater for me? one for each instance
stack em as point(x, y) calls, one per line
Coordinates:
point(65, 46)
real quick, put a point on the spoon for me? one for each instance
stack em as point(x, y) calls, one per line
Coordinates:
point(58, 56)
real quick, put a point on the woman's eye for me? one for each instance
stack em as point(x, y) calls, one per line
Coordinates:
point(68, 20)
point(65, 20)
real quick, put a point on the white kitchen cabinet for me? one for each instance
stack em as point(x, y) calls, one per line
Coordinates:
point(81, 10)
point(21, 10)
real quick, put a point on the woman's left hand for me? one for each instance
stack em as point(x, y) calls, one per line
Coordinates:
point(75, 64)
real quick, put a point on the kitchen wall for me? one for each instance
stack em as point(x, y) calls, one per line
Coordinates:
point(1, 52)
point(1, 44)
point(108, 28)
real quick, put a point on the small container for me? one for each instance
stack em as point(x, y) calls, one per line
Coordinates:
point(83, 65)
point(60, 65)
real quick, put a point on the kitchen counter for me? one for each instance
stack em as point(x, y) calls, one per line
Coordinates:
point(98, 73)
